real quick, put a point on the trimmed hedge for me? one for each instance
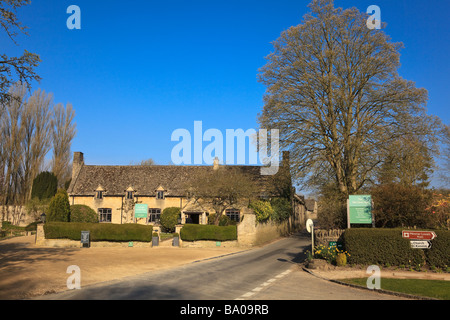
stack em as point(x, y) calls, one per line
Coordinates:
point(98, 231)
point(387, 247)
point(194, 232)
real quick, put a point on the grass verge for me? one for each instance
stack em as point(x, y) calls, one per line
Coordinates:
point(438, 289)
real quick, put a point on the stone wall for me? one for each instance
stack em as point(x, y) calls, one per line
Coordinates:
point(322, 237)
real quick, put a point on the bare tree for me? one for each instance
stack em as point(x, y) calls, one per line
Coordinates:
point(63, 132)
point(334, 92)
point(224, 188)
point(23, 66)
point(11, 144)
point(36, 143)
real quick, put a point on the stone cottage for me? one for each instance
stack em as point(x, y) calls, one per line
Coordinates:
point(112, 191)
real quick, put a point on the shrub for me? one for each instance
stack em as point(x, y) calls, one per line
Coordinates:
point(194, 232)
point(263, 210)
point(82, 213)
point(169, 218)
point(59, 207)
point(398, 205)
point(281, 209)
point(341, 259)
point(99, 231)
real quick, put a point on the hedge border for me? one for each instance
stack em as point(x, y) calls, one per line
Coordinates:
point(196, 232)
point(99, 231)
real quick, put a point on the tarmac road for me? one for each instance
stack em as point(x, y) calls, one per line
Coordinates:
point(267, 273)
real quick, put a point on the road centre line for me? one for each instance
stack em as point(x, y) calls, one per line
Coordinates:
point(265, 284)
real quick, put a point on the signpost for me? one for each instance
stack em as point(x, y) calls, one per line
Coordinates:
point(359, 210)
point(419, 239)
point(420, 244)
point(418, 235)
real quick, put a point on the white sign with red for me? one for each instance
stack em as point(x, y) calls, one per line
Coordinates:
point(418, 235)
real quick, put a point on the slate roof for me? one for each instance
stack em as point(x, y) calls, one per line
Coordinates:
point(146, 179)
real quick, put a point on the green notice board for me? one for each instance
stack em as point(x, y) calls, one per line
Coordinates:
point(140, 210)
point(360, 209)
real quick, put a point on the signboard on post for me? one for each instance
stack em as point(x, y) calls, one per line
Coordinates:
point(140, 210)
point(85, 241)
point(359, 209)
point(419, 239)
point(418, 235)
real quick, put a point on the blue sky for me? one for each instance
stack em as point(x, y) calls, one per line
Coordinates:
point(138, 70)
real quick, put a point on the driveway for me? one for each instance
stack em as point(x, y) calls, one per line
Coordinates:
point(27, 270)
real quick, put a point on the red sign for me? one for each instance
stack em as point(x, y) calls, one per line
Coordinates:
point(418, 235)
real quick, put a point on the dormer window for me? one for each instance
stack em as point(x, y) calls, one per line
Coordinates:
point(160, 193)
point(99, 193)
point(130, 193)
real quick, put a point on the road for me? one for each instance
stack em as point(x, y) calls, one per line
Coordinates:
point(270, 273)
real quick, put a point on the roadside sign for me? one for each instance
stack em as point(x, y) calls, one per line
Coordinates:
point(335, 244)
point(140, 210)
point(420, 244)
point(418, 235)
point(360, 209)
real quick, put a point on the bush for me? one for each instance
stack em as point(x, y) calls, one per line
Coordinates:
point(82, 213)
point(44, 186)
point(380, 247)
point(169, 219)
point(99, 231)
point(263, 210)
point(194, 232)
point(223, 221)
point(59, 207)
point(341, 259)
point(397, 205)
point(281, 209)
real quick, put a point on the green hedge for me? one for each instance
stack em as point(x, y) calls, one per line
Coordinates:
point(98, 231)
point(194, 232)
point(387, 247)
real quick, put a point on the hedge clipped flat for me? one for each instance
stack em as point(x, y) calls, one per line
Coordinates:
point(98, 231)
point(195, 232)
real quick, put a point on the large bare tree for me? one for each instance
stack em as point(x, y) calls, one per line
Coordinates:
point(63, 132)
point(334, 92)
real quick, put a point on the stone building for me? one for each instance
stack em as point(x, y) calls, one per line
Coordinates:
point(113, 191)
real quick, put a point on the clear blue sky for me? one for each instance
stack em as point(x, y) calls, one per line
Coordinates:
point(138, 70)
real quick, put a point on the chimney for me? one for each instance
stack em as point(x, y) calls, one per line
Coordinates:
point(77, 164)
point(216, 163)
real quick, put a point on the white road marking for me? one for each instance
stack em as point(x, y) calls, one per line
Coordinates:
point(265, 284)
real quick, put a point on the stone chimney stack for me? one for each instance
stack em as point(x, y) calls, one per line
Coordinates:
point(77, 164)
point(216, 163)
